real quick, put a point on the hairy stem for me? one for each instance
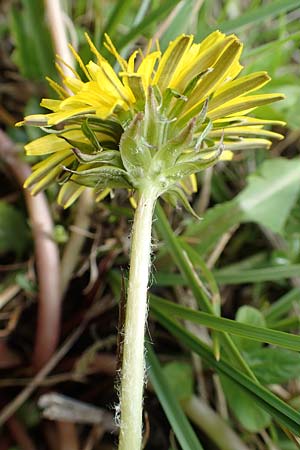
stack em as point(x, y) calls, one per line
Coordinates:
point(133, 367)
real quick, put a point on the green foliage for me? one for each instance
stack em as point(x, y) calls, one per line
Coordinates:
point(180, 379)
point(245, 409)
point(261, 191)
point(273, 188)
point(34, 53)
point(14, 232)
point(168, 399)
point(280, 411)
point(271, 193)
point(274, 365)
point(250, 316)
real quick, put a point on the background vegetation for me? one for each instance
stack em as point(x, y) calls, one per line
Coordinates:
point(241, 262)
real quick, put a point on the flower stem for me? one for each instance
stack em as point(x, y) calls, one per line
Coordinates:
point(133, 366)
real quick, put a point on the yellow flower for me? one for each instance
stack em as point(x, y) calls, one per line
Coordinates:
point(191, 90)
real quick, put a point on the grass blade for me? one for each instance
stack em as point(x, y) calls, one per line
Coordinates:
point(257, 275)
point(195, 285)
point(259, 14)
point(177, 419)
point(260, 334)
point(153, 17)
point(280, 411)
point(282, 305)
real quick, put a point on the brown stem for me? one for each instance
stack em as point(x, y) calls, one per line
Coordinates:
point(19, 434)
point(68, 438)
point(71, 255)
point(47, 259)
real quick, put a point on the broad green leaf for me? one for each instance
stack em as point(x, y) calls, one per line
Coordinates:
point(274, 365)
point(14, 233)
point(271, 193)
point(268, 200)
point(180, 379)
point(252, 417)
point(216, 221)
point(251, 316)
point(180, 425)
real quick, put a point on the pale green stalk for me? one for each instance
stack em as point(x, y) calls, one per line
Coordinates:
point(133, 367)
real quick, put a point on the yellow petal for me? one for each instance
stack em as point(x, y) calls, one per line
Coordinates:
point(57, 88)
point(73, 84)
point(146, 68)
point(211, 80)
point(243, 105)
point(200, 58)
point(36, 120)
point(46, 145)
point(52, 144)
point(103, 194)
point(46, 171)
point(80, 62)
point(247, 144)
point(244, 121)
point(226, 155)
point(244, 131)
point(189, 184)
point(112, 49)
point(69, 193)
point(236, 88)
point(61, 116)
point(170, 60)
point(51, 104)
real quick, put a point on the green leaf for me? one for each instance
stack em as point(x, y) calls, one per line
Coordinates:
point(274, 365)
point(282, 305)
point(34, 53)
point(152, 18)
point(180, 379)
point(255, 333)
point(226, 276)
point(14, 233)
point(252, 417)
point(184, 264)
point(180, 425)
point(276, 273)
point(120, 10)
point(179, 23)
point(216, 221)
point(273, 189)
point(279, 410)
point(251, 316)
point(259, 14)
point(271, 193)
